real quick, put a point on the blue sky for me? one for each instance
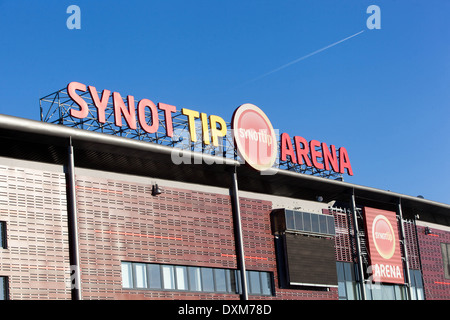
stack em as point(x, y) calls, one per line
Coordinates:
point(383, 94)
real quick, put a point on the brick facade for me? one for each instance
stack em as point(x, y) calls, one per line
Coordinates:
point(435, 285)
point(36, 260)
point(122, 221)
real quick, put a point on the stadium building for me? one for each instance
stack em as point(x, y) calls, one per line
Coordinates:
point(112, 198)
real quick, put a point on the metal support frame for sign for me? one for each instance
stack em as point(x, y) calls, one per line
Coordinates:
point(238, 236)
point(405, 249)
point(358, 247)
point(55, 108)
point(73, 226)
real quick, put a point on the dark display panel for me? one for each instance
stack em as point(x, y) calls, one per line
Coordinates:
point(310, 260)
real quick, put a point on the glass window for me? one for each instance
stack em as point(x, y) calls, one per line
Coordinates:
point(255, 285)
point(195, 280)
point(290, 219)
point(127, 275)
point(3, 234)
point(387, 292)
point(154, 275)
point(140, 275)
point(207, 279)
point(446, 259)
point(416, 285)
point(348, 288)
point(341, 281)
point(220, 280)
point(232, 281)
point(3, 288)
point(306, 221)
point(181, 275)
point(330, 223)
point(323, 224)
point(315, 223)
point(168, 277)
point(266, 283)
point(298, 220)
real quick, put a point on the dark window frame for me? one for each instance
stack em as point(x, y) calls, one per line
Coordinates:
point(445, 252)
point(3, 237)
point(4, 288)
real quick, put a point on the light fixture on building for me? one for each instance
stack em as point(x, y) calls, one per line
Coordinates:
point(319, 198)
point(156, 190)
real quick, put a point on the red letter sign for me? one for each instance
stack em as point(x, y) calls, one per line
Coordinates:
point(84, 109)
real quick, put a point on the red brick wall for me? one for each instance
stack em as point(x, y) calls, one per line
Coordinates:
point(122, 221)
point(36, 260)
point(435, 285)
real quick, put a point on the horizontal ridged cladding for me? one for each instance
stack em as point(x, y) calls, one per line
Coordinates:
point(36, 260)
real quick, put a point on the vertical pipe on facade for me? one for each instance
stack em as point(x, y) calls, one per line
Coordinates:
point(416, 217)
point(405, 250)
point(73, 226)
point(238, 235)
point(358, 247)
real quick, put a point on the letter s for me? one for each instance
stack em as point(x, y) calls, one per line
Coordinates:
point(84, 109)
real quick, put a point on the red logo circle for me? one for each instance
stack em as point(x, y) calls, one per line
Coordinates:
point(383, 236)
point(254, 136)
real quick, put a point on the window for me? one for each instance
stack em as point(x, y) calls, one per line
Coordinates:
point(347, 286)
point(308, 222)
point(127, 278)
point(140, 275)
point(207, 279)
point(416, 285)
point(154, 274)
point(181, 275)
point(4, 295)
point(168, 277)
point(258, 283)
point(3, 234)
point(195, 282)
point(194, 279)
point(446, 259)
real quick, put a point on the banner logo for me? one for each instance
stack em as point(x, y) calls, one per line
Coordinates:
point(383, 236)
point(384, 247)
point(254, 137)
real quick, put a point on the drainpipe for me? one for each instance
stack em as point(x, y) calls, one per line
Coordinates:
point(238, 235)
point(405, 249)
point(73, 226)
point(358, 247)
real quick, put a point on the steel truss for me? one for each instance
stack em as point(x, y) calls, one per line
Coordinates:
point(55, 108)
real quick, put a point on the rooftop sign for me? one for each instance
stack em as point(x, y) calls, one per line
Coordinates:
point(250, 137)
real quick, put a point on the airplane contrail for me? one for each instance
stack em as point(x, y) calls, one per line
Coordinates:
point(304, 57)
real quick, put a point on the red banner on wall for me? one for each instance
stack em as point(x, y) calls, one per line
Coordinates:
point(384, 246)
